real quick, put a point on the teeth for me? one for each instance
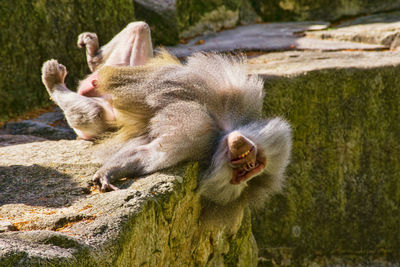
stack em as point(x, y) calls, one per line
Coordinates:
point(244, 154)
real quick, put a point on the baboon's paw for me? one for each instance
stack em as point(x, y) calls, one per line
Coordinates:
point(103, 183)
point(90, 41)
point(53, 73)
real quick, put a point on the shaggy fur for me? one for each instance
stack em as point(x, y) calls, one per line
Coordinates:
point(168, 112)
point(189, 110)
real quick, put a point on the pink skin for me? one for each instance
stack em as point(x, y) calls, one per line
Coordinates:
point(131, 47)
point(88, 85)
point(82, 135)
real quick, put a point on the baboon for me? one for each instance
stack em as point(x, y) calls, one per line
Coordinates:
point(163, 111)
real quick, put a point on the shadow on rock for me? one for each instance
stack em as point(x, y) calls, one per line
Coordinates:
point(11, 140)
point(39, 129)
point(50, 125)
point(38, 186)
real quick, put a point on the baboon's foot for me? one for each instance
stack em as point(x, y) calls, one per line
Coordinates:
point(103, 182)
point(90, 41)
point(53, 73)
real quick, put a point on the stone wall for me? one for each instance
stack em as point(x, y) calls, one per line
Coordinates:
point(172, 21)
point(35, 31)
point(289, 10)
point(39, 30)
point(341, 200)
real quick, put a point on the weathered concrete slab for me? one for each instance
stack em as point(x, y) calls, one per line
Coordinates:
point(267, 37)
point(51, 216)
point(383, 29)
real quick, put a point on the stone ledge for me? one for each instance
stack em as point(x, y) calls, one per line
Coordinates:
point(381, 29)
point(152, 220)
point(269, 37)
point(291, 63)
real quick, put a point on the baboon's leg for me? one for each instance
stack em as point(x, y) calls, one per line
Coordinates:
point(93, 54)
point(88, 116)
point(131, 160)
point(131, 47)
point(173, 138)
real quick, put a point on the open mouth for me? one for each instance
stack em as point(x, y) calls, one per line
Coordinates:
point(247, 165)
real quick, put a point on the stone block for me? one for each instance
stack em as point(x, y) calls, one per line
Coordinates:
point(341, 201)
point(289, 10)
point(50, 216)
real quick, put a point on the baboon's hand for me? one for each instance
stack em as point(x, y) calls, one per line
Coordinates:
point(103, 182)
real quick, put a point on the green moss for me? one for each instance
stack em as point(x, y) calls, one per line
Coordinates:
point(169, 232)
point(220, 18)
point(288, 10)
point(242, 243)
point(343, 189)
point(190, 12)
point(169, 23)
point(39, 30)
point(42, 29)
point(195, 17)
point(163, 23)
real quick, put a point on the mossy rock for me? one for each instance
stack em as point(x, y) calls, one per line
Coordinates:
point(39, 30)
point(36, 31)
point(341, 203)
point(152, 221)
point(289, 10)
point(172, 21)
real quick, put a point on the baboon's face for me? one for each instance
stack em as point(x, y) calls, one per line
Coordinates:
point(245, 158)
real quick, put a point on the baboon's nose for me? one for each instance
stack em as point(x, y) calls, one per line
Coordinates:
point(239, 146)
point(242, 152)
point(249, 166)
